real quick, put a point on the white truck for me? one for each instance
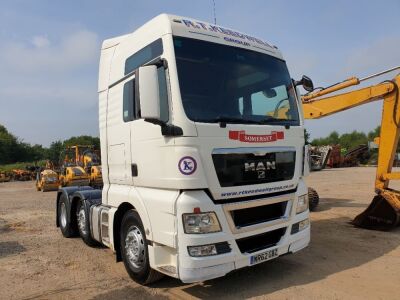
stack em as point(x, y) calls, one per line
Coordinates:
point(203, 154)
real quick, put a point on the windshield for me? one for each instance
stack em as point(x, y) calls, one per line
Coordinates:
point(220, 83)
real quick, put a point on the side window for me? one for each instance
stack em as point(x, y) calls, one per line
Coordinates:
point(143, 56)
point(163, 92)
point(129, 101)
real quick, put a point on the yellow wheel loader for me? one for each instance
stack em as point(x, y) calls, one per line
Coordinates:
point(384, 211)
point(47, 180)
point(91, 164)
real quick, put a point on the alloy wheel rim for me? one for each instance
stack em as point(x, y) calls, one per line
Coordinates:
point(81, 216)
point(63, 215)
point(135, 247)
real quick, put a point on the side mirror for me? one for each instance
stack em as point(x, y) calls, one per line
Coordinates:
point(306, 82)
point(148, 93)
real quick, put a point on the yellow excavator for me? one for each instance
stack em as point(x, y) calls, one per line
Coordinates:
point(384, 211)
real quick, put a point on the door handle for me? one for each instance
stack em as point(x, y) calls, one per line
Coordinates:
point(134, 170)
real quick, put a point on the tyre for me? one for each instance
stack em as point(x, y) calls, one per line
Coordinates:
point(68, 229)
point(82, 220)
point(313, 199)
point(134, 250)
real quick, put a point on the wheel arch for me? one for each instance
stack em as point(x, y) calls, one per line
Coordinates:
point(117, 220)
point(119, 214)
point(71, 196)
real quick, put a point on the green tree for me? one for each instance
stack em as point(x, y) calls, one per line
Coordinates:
point(374, 133)
point(8, 146)
point(54, 151)
point(332, 139)
point(83, 140)
point(353, 139)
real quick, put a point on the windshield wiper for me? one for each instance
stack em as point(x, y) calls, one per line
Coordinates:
point(234, 120)
point(272, 120)
point(275, 120)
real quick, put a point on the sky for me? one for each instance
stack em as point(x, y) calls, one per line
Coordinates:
point(49, 53)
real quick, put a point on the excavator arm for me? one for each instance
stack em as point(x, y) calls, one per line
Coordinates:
point(384, 211)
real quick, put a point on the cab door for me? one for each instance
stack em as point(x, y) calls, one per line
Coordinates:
point(120, 115)
point(148, 154)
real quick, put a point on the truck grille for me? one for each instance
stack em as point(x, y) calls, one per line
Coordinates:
point(261, 241)
point(258, 214)
point(236, 169)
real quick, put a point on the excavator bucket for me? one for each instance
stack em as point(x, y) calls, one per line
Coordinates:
point(382, 214)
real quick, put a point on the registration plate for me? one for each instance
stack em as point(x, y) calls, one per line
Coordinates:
point(267, 255)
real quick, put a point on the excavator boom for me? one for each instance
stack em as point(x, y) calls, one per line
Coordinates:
point(384, 211)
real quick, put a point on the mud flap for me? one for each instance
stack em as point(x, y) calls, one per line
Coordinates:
point(382, 214)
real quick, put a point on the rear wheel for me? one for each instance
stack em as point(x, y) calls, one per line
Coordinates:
point(68, 229)
point(82, 220)
point(134, 250)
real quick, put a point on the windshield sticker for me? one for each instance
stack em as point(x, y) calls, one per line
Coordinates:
point(187, 165)
point(254, 138)
point(215, 28)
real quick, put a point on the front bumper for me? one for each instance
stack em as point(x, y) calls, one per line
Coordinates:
point(193, 269)
point(199, 271)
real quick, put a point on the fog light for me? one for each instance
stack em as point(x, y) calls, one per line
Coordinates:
point(297, 227)
point(304, 224)
point(204, 250)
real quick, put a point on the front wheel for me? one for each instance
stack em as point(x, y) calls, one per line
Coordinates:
point(134, 250)
point(313, 199)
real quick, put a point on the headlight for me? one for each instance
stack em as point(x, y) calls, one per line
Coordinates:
point(201, 223)
point(302, 203)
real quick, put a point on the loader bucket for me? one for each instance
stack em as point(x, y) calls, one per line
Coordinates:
point(382, 214)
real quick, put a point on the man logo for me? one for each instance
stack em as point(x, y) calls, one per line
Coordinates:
point(259, 167)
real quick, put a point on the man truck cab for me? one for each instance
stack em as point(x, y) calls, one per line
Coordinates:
point(203, 155)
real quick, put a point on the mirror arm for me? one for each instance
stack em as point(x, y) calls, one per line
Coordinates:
point(159, 62)
point(171, 130)
point(296, 82)
point(166, 129)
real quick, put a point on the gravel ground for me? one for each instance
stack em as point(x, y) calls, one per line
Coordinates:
point(342, 262)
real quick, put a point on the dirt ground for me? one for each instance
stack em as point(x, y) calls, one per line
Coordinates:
point(342, 262)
